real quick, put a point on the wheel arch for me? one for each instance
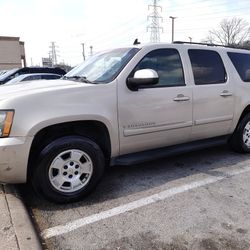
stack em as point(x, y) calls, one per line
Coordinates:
point(243, 114)
point(94, 130)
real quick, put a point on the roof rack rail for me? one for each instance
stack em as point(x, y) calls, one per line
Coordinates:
point(211, 44)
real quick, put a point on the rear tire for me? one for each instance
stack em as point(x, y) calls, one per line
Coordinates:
point(240, 140)
point(68, 169)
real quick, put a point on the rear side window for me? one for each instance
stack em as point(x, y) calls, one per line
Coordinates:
point(242, 64)
point(207, 67)
point(32, 77)
point(50, 77)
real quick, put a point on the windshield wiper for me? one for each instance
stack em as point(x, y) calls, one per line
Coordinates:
point(78, 78)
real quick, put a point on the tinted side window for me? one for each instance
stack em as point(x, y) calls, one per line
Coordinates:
point(50, 77)
point(167, 63)
point(31, 78)
point(207, 67)
point(242, 64)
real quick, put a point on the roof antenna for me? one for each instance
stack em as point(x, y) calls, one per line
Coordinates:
point(136, 42)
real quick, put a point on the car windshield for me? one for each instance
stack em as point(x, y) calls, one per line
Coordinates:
point(104, 66)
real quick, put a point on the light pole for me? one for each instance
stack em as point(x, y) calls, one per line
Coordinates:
point(91, 50)
point(172, 17)
point(83, 51)
point(190, 39)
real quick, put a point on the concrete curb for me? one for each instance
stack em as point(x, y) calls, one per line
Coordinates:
point(24, 229)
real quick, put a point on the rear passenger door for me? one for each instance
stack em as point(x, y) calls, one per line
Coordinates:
point(213, 98)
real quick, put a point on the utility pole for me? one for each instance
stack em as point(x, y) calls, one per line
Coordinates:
point(53, 53)
point(83, 52)
point(91, 50)
point(172, 17)
point(155, 27)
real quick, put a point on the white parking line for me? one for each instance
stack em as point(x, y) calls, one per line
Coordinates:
point(73, 225)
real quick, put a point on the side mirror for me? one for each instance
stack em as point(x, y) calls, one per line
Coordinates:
point(142, 78)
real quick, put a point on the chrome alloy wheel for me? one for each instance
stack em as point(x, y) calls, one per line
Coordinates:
point(246, 135)
point(70, 171)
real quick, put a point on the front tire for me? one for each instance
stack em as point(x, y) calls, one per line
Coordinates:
point(68, 169)
point(240, 140)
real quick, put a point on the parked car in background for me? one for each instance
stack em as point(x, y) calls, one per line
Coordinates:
point(32, 77)
point(9, 75)
point(2, 72)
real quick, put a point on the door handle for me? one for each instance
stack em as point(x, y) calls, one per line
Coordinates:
point(225, 93)
point(181, 98)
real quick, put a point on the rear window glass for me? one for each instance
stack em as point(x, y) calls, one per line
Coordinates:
point(242, 64)
point(50, 77)
point(207, 67)
point(30, 78)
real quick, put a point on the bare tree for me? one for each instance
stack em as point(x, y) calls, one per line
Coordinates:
point(233, 31)
point(246, 44)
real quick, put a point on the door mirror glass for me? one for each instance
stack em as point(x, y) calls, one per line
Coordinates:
point(142, 78)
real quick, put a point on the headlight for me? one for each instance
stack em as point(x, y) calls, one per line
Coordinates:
point(6, 118)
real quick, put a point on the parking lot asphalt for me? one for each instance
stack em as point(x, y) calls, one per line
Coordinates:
point(198, 200)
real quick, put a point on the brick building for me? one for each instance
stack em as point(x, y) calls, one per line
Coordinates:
point(12, 53)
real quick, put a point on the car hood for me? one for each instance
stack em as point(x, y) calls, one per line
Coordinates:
point(26, 88)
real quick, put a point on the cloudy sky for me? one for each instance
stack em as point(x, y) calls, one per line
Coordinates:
point(106, 24)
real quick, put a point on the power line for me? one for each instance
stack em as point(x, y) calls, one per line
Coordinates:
point(124, 27)
point(190, 5)
point(110, 33)
point(117, 27)
point(219, 12)
point(127, 36)
point(104, 35)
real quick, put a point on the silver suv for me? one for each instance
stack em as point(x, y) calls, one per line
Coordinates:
point(122, 106)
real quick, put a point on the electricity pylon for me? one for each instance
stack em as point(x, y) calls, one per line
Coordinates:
point(155, 18)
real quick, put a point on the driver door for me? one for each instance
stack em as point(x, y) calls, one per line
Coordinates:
point(157, 115)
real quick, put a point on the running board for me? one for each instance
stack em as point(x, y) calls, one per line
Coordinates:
point(154, 154)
